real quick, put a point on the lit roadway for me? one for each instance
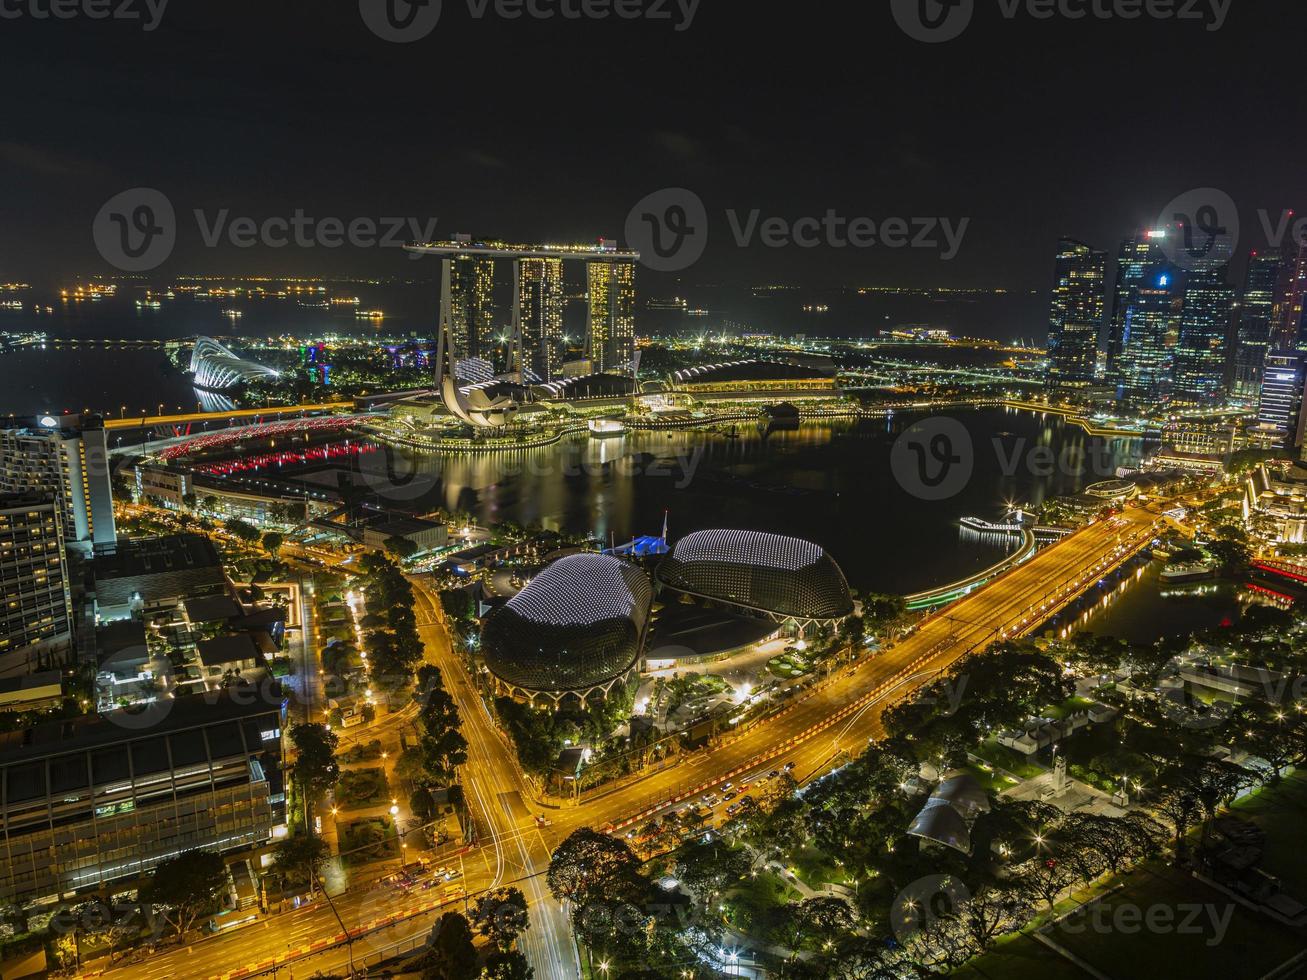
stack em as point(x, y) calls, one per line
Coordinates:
point(839, 716)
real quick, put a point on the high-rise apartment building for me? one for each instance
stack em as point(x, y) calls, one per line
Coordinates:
point(1076, 315)
point(611, 340)
point(540, 293)
point(1256, 322)
point(67, 458)
point(35, 606)
point(1200, 355)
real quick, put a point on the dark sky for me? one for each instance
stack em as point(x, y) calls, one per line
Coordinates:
point(553, 130)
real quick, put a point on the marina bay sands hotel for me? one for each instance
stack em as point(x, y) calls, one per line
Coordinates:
point(537, 347)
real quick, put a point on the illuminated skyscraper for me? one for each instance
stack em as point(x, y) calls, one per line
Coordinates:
point(1139, 261)
point(1288, 332)
point(472, 307)
point(1076, 315)
point(1200, 356)
point(1256, 319)
point(36, 616)
point(1150, 331)
point(66, 458)
point(611, 342)
point(1280, 398)
point(540, 293)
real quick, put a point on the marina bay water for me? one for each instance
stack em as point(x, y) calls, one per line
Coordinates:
point(830, 482)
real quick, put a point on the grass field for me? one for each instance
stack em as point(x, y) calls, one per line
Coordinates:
point(1129, 949)
point(1282, 813)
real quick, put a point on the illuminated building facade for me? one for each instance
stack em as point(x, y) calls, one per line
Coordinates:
point(1076, 315)
point(1256, 320)
point(540, 295)
point(1150, 333)
point(572, 635)
point(1200, 355)
point(787, 580)
point(1289, 297)
point(1139, 262)
point(612, 315)
point(67, 458)
point(1280, 403)
point(35, 605)
point(472, 307)
point(100, 799)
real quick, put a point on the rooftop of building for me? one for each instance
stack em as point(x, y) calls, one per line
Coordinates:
point(234, 649)
point(133, 557)
point(212, 609)
point(46, 679)
point(150, 721)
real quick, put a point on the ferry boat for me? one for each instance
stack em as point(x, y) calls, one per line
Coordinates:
point(1188, 572)
point(606, 428)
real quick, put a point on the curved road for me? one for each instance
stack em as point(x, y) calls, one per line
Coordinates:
point(840, 716)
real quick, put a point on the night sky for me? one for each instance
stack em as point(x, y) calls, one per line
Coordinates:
point(553, 130)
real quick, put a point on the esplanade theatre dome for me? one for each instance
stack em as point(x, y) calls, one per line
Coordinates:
point(577, 629)
point(778, 576)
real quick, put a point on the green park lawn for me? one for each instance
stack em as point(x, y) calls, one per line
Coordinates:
point(1281, 811)
point(1020, 957)
point(1251, 947)
point(1005, 758)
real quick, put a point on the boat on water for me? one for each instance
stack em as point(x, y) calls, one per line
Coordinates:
point(1188, 571)
point(606, 428)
